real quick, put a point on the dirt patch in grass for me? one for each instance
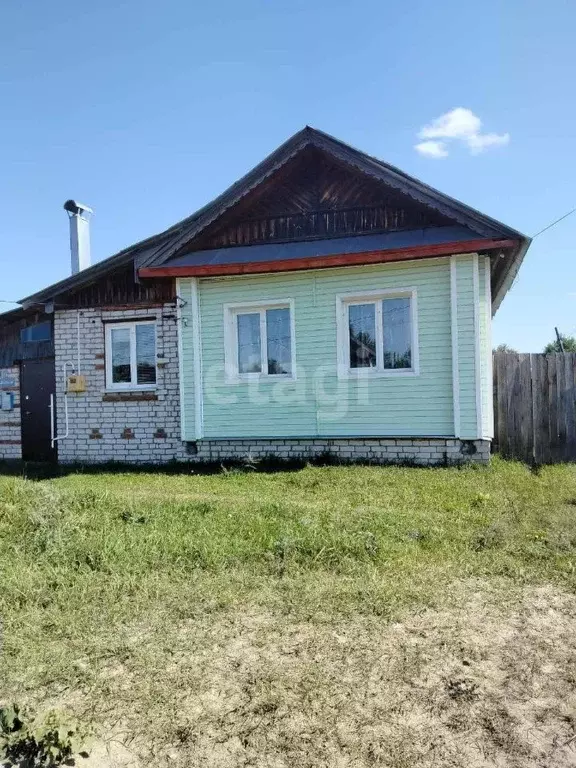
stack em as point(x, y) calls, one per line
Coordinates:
point(479, 683)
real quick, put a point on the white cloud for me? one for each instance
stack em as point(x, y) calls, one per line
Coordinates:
point(459, 124)
point(481, 141)
point(432, 148)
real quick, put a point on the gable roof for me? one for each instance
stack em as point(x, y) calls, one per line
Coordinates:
point(371, 166)
point(159, 249)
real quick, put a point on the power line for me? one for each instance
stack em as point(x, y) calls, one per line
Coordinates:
point(553, 224)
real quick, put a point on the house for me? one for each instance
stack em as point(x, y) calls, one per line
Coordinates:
point(326, 301)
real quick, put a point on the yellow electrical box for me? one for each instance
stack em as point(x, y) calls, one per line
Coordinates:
point(76, 383)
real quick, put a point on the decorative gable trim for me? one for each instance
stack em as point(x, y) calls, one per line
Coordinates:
point(388, 174)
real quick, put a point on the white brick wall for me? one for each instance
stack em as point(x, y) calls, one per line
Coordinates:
point(100, 430)
point(411, 450)
point(10, 430)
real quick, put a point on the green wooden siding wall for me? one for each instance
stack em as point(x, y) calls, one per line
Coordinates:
point(318, 403)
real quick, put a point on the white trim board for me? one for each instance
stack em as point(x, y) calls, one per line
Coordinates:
point(179, 326)
point(454, 337)
point(197, 371)
point(477, 353)
point(490, 373)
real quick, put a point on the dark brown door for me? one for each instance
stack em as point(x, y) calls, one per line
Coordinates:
point(37, 383)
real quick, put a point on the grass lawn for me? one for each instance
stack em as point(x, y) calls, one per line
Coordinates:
point(332, 616)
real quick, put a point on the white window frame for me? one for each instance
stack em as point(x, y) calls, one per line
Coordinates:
point(231, 311)
point(343, 301)
point(128, 385)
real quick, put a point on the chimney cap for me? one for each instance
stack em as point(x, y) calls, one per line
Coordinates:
point(74, 207)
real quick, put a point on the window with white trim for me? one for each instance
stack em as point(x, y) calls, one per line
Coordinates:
point(259, 340)
point(377, 333)
point(131, 355)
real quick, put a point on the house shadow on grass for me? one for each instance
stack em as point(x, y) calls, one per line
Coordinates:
point(268, 465)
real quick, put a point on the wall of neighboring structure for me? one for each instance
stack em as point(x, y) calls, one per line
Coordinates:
point(318, 403)
point(10, 433)
point(138, 427)
point(12, 350)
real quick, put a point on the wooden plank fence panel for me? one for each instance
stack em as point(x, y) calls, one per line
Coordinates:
point(509, 377)
point(561, 404)
point(498, 408)
point(541, 399)
point(570, 422)
point(535, 406)
point(572, 406)
point(563, 435)
point(495, 412)
point(513, 398)
point(526, 421)
point(536, 394)
point(553, 406)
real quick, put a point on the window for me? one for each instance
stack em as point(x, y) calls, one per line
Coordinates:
point(377, 333)
point(38, 332)
point(259, 340)
point(131, 355)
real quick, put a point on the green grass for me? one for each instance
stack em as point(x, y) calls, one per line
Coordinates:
point(85, 550)
point(89, 561)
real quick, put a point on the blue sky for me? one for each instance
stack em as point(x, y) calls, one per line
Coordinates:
point(146, 110)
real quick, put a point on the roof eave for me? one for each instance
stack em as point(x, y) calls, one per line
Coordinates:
point(330, 261)
point(75, 281)
point(510, 275)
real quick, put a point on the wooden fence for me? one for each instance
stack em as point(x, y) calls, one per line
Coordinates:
point(535, 406)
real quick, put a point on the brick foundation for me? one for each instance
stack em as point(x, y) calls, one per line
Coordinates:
point(425, 451)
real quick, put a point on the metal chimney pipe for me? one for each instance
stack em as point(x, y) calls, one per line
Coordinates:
point(79, 215)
